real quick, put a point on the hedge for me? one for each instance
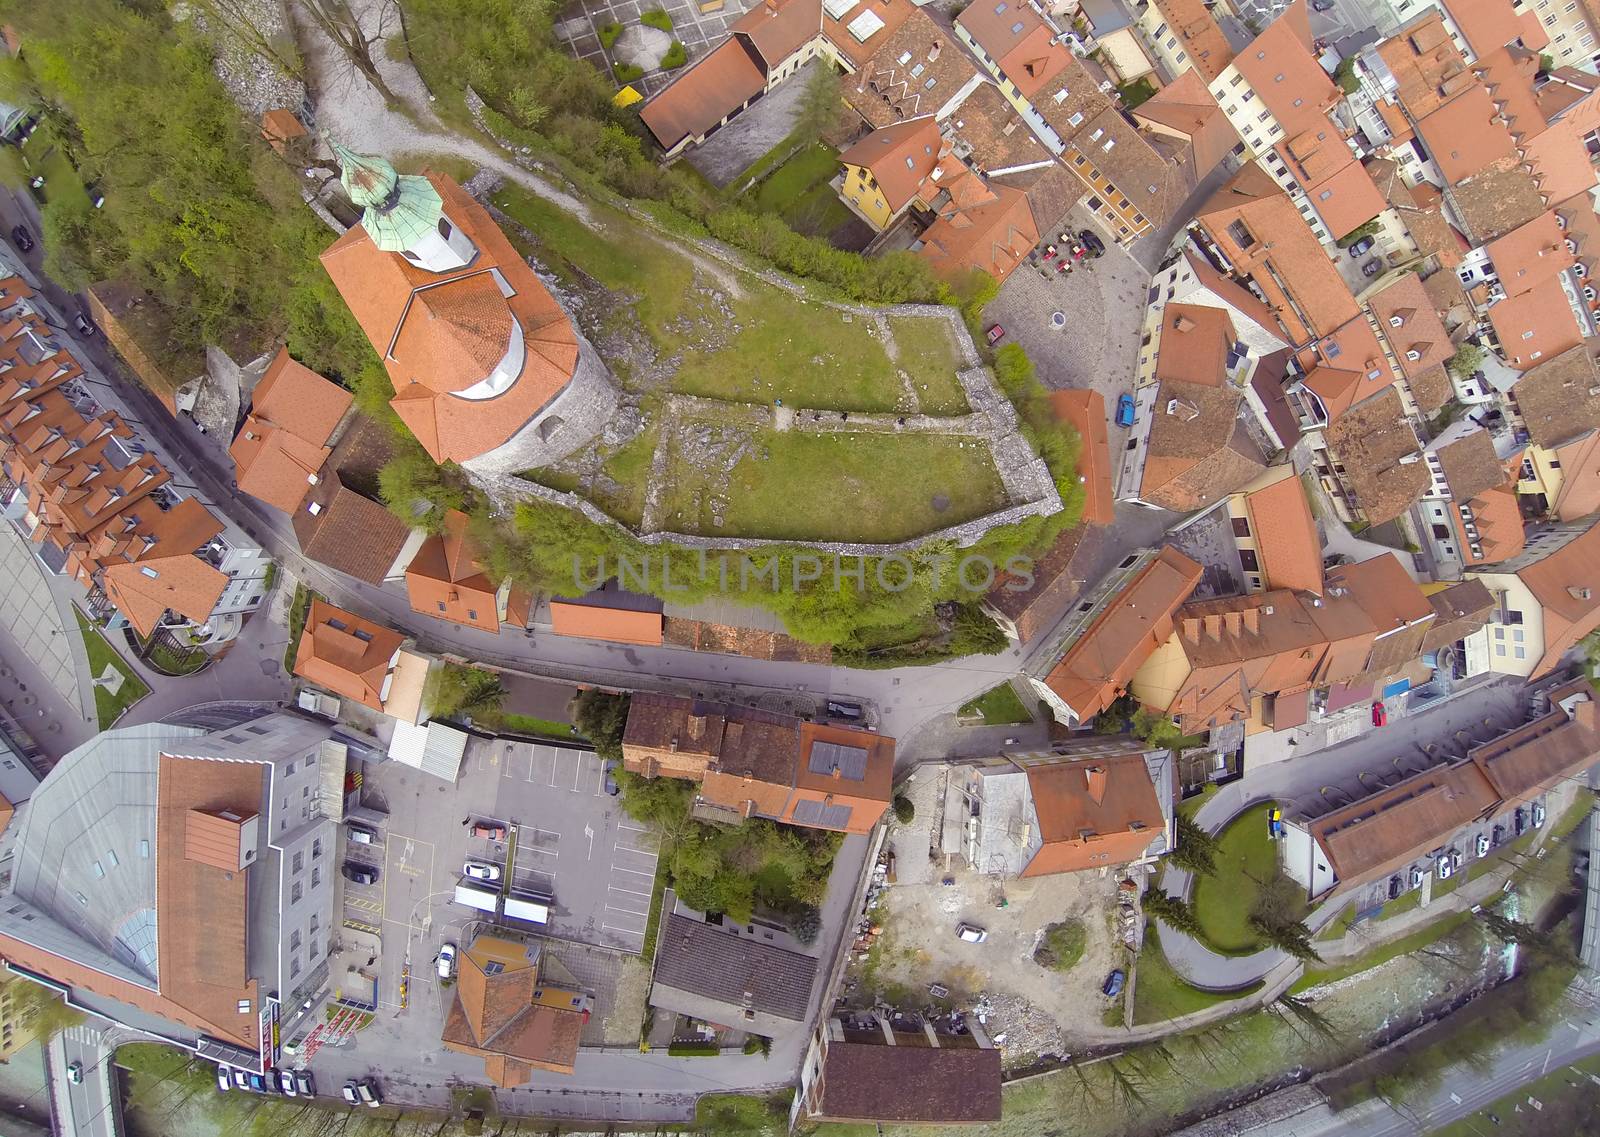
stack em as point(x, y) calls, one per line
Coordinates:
point(693, 1050)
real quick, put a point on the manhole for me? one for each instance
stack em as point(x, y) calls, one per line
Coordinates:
point(1058, 320)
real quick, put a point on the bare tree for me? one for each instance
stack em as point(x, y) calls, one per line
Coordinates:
point(242, 20)
point(337, 20)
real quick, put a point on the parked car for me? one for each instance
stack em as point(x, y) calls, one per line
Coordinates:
point(21, 238)
point(1380, 715)
point(305, 1083)
point(1538, 815)
point(360, 834)
point(367, 1090)
point(490, 829)
point(995, 334)
point(258, 1083)
point(75, 1073)
point(447, 961)
point(224, 1079)
point(359, 873)
point(1482, 845)
point(1092, 242)
point(241, 1079)
point(1497, 835)
point(612, 787)
point(1416, 876)
point(286, 1084)
point(349, 1092)
point(1322, 5)
point(1443, 866)
point(1125, 409)
point(1113, 984)
point(1519, 821)
point(1361, 247)
point(1396, 886)
point(1372, 267)
point(82, 322)
point(850, 711)
point(481, 870)
point(971, 933)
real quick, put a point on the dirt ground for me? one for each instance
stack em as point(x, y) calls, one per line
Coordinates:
point(1039, 1010)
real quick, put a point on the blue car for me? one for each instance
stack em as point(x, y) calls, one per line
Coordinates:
point(1113, 986)
point(258, 1083)
point(1124, 410)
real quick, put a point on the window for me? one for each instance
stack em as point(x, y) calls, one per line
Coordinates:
point(316, 876)
point(444, 227)
point(441, 605)
point(472, 613)
point(1016, 28)
point(1236, 80)
point(1511, 616)
point(1263, 116)
point(1499, 649)
point(1241, 527)
point(294, 941)
point(1076, 118)
point(314, 923)
point(1182, 56)
point(316, 848)
point(1520, 653)
point(294, 964)
point(299, 863)
point(295, 892)
point(494, 966)
point(1247, 560)
point(312, 950)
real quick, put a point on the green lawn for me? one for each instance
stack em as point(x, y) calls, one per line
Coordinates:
point(1406, 902)
point(998, 707)
point(810, 357)
point(1341, 924)
point(629, 467)
point(299, 607)
point(1246, 859)
point(1405, 945)
point(44, 155)
point(108, 706)
point(837, 487)
point(530, 724)
point(928, 355)
point(1161, 994)
point(1568, 1101)
point(798, 191)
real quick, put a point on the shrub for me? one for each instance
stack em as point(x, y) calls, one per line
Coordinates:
point(1061, 946)
point(601, 717)
point(693, 1050)
point(806, 924)
point(757, 1044)
point(626, 72)
point(656, 18)
point(609, 33)
point(904, 811)
point(675, 58)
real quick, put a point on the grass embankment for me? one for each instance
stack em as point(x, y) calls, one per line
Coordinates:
point(927, 353)
point(1382, 954)
point(1161, 993)
point(1247, 859)
point(1000, 706)
point(109, 707)
point(798, 191)
point(836, 487)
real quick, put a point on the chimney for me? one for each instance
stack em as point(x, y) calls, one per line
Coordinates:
point(1095, 779)
point(1214, 627)
point(1252, 621)
point(933, 52)
point(1579, 591)
point(772, 7)
point(1183, 324)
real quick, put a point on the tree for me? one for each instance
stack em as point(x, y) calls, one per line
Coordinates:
point(1156, 729)
point(338, 21)
point(46, 1013)
point(1291, 938)
point(1196, 850)
point(243, 21)
point(455, 690)
point(904, 811)
point(806, 924)
point(601, 717)
point(819, 103)
point(1467, 359)
point(1172, 911)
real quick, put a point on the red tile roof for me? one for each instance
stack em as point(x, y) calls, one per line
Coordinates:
point(1283, 72)
point(346, 654)
point(445, 579)
point(701, 96)
point(1085, 409)
point(1094, 813)
point(1287, 542)
point(900, 157)
point(1018, 40)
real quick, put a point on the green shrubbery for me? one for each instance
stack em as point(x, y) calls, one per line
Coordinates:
point(675, 58)
point(608, 34)
point(656, 18)
point(626, 72)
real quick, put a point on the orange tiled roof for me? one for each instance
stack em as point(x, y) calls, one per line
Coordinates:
point(284, 439)
point(1563, 583)
point(1488, 24)
point(445, 579)
point(619, 625)
point(1185, 107)
point(779, 28)
point(1191, 23)
point(1194, 344)
point(1093, 813)
point(1100, 663)
point(1085, 409)
point(1536, 325)
point(346, 654)
point(1409, 322)
point(1284, 73)
point(1530, 254)
point(1019, 40)
point(1287, 541)
point(506, 1011)
point(994, 236)
point(428, 326)
point(1425, 62)
point(1466, 136)
point(699, 98)
point(899, 157)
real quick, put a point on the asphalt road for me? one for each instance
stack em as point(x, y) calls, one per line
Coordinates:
point(82, 1109)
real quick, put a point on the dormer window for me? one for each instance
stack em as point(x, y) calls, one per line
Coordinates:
point(445, 228)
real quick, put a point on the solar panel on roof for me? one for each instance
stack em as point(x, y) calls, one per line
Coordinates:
point(849, 761)
point(865, 26)
point(837, 8)
point(816, 813)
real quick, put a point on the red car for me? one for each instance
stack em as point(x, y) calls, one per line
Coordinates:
point(1380, 717)
point(995, 334)
point(490, 829)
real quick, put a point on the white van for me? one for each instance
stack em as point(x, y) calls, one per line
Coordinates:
point(359, 835)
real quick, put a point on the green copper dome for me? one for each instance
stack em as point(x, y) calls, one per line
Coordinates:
point(398, 210)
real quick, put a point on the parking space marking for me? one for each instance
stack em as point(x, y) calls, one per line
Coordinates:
point(621, 848)
point(629, 931)
point(632, 828)
point(629, 891)
point(635, 872)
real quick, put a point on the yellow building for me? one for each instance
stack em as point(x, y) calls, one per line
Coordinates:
point(884, 171)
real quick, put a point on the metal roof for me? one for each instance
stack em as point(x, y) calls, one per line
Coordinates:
point(848, 761)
